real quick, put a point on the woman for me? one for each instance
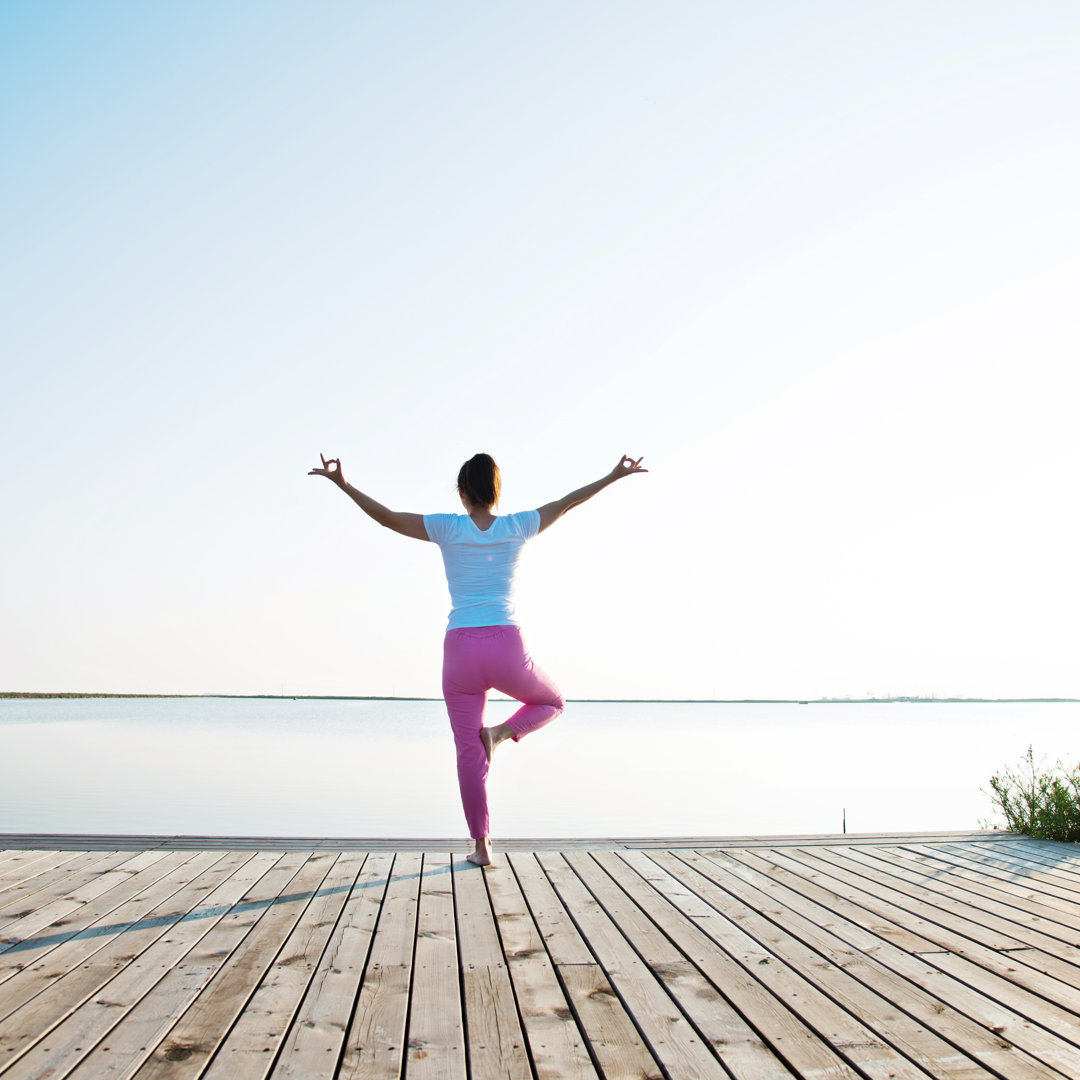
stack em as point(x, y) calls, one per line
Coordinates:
point(483, 649)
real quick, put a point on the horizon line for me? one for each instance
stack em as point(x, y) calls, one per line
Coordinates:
point(17, 695)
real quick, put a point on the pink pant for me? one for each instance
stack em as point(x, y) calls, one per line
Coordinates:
point(477, 659)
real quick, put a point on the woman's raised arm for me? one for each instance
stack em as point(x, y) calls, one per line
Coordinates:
point(551, 512)
point(406, 524)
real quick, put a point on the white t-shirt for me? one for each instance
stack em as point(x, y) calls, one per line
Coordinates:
point(480, 564)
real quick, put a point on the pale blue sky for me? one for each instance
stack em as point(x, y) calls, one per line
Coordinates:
point(817, 262)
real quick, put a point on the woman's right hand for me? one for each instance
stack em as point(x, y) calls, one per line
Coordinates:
point(331, 470)
point(627, 467)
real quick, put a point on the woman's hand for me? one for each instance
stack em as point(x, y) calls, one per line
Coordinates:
point(331, 470)
point(627, 466)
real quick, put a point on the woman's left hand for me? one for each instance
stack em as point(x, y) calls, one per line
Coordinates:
point(331, 469)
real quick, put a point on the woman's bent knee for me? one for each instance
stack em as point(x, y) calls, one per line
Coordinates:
point(555, 699)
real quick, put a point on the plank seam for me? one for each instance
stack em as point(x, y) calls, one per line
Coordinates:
point(703, 1038)
point(556, 968)
point(865, 981)
point(614, 983)
point(973, 960)
point(343, 1051)
point(509, 979)
point(837, 1047)
point(165, 928)
point(957, 883)
point(464, 1005)
point(266, 970)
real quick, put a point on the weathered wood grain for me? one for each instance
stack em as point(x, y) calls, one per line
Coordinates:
point(375, 1042)
point(946, 956)
point(315, 1042)
point(556, 1046)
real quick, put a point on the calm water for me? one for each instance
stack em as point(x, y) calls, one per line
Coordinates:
point(363, 768)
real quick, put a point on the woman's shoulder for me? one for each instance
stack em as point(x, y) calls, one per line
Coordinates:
point(525, 523)
point(444, 526)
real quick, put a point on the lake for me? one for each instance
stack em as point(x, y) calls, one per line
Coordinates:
point(265, 767)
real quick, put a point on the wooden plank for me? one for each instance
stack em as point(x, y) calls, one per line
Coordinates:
point(242, 1015)
point(436, 1036)
point(1036, 854)
point(478, 937)
point(61, 1027)
point(1041, 1027)
point(654, 948)
point(867, 927)
point(975, 994)
point(30, 952)
point(613, 1039)
point(315, 1041)
point(375, 1043)
point(561, 937)
point(906, 903)
point(952, 876)
point(139, 842)
point(929, 1026)
point(50, 891)
point(1041, 974)
point(496, 1042)
point(13, 857)
point(1010, 869)
point(1062, 856)
point(683, 917)
point(615, 1042)
point(260, 1031)
point(668, 843)
point(55, 912)
point(251, 932)
point(20, 866)
point(858, 1043)
point(892, 914)
point(982, 881)
point(58, 879)
point(735, 1043)
point(1033, 860)
point(1038, 972)
point(673, 1040)
point(556, 1045)
point(1032, 930)
point(73, 969)
point(27, 863)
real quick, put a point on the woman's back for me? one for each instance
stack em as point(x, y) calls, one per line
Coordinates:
point(481, 564)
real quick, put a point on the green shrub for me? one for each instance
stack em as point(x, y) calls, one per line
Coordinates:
point(1039, 802)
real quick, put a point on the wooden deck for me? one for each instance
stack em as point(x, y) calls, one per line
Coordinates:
point(821, 958)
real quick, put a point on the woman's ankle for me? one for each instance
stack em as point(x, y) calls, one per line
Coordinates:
point(482, 855)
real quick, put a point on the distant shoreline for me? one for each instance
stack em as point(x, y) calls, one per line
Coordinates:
point(16, 695)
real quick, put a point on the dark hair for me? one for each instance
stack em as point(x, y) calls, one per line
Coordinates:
point(479, 480)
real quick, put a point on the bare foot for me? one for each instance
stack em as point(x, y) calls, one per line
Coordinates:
point(482, 855)
point(492, 736)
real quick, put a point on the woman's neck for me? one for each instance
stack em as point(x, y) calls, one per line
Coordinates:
point(482, 517)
